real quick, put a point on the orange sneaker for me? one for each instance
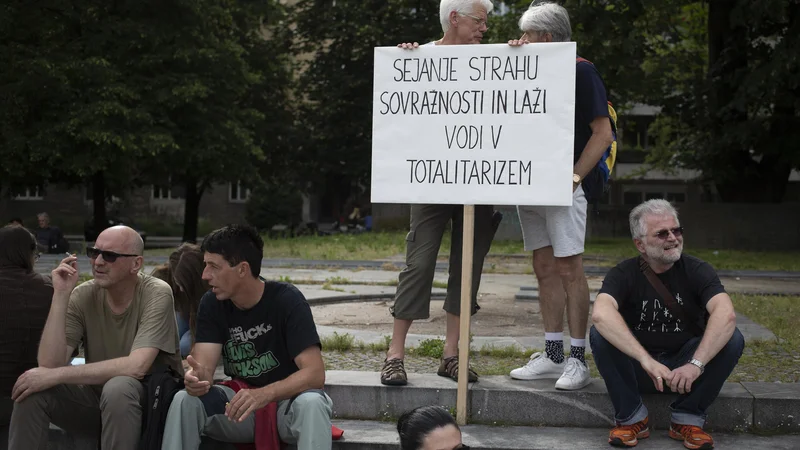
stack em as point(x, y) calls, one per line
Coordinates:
point(693, 437)
point(629, 435)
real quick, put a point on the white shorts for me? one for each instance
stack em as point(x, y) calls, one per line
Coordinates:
point(563, 227)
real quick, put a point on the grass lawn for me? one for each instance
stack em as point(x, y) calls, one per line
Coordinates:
point(765, 360)
point(383, 245)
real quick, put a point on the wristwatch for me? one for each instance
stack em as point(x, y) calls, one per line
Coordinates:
point(576, 178)
point(698, 363)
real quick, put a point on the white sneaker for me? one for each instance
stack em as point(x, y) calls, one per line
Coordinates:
point(575, 376)
point(539, 367)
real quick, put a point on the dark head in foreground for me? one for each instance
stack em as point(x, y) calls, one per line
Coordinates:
point(429, 428)
point(17, 248)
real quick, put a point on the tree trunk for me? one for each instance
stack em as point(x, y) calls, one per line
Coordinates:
point(730, 163)
point(99, 202)
point(191, 212)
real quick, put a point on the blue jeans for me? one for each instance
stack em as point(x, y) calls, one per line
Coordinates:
point(626, 380)
point(185, 333)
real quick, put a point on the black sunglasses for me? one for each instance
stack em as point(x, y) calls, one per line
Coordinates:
point(108, 256)
point(664, 234)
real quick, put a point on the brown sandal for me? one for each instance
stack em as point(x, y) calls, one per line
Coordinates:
point(394, 373)
point(449, 368)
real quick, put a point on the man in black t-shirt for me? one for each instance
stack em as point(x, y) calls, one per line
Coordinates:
point(642, 341)
point(266, 336)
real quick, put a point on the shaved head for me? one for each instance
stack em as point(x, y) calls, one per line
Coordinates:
point(121, 269)
point(125, 238)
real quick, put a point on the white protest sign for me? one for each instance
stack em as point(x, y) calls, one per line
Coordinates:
point(474, 124)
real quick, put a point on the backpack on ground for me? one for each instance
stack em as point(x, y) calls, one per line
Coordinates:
point(596, 182)
point(160, 386)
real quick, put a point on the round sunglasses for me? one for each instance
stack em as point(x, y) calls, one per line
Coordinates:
point(664, 234)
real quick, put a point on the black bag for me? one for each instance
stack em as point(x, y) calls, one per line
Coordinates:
point(161, 386)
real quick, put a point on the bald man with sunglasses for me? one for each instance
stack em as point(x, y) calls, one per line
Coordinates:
point(663, 323)
point(126, 324)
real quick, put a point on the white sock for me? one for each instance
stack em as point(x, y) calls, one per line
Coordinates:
point(577, 342)
point(553, 336)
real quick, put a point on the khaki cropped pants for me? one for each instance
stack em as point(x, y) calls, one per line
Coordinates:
point(428, 223)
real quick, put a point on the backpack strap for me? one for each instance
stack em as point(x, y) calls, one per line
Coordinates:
point(666, 295)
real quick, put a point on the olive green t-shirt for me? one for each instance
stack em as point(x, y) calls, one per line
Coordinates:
point(149, 321)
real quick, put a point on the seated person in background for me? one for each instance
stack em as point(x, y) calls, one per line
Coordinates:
point(184, 273)
point(50, 239)
point(428, 428)
point(266, 336)
point(24, 303)
point(126, 323)
point(663, 319)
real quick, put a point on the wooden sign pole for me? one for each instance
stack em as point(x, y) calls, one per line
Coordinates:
point(468, 239)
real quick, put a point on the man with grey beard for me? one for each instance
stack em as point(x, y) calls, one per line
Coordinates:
point(663, 322)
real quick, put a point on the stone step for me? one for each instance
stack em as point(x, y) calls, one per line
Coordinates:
point(375, 435)
point(499, 400)
point(364, 435)
point(533, 411)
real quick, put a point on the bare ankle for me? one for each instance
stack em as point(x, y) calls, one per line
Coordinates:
point(394, 354)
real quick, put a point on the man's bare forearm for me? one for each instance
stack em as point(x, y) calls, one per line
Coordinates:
point(53, 345)
point(718, 332)
point(99, 372)
point(300, 381)
point(613, 328)
point(592, 153)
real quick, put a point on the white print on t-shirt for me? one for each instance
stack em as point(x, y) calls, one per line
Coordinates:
point(243, 336)
point(656, 317)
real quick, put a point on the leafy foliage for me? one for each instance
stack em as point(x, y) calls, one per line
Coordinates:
point(335, 42)
point(129, 93)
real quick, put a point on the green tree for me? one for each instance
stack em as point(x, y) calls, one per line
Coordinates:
point(72, 113)
point(335, 42)
point(128, 93)
point(222, 96)
point(724, 73)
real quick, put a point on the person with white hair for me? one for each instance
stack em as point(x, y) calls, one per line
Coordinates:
point(556, 234)
point(463, 22)
point(663, 321)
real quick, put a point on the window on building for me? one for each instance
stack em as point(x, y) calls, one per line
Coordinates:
point(167, 191)
point(631, 138)
point(653, 195)
point(237, 193)
point(634, 132)
point(30, 193)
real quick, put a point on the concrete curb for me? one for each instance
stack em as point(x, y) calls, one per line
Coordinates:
point(498, 400)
